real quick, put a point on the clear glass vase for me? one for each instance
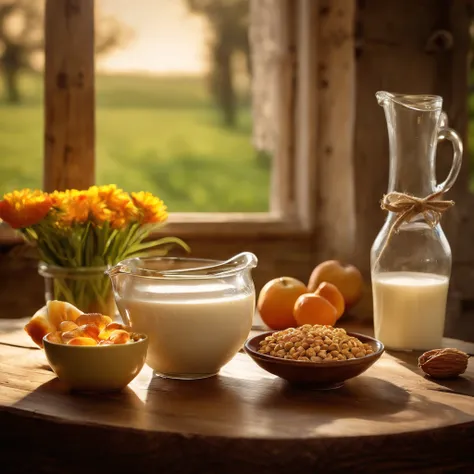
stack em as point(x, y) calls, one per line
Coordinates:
point(87, 288)
point(411, 267)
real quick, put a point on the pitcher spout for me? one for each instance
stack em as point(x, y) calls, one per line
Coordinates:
point(117, 270)
point(383, 97)
point(420, 103)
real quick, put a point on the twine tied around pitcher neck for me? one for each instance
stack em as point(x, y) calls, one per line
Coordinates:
point(407, 207)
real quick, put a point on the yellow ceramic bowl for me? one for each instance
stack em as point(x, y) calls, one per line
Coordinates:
point(97, 368)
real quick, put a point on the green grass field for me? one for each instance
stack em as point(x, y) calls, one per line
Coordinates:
point(160, 134)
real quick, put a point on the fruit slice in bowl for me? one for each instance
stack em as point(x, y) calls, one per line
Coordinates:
point(48, 319)
point(82, 364)
point(87, 351)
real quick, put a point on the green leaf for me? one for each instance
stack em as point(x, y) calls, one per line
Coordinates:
point(121, 250)
point(110, 239)
point(165, 241)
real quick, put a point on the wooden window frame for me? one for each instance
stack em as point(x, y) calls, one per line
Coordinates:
point(293, 169)
point(69, 135)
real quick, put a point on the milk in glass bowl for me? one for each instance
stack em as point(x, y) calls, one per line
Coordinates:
point(197, 313)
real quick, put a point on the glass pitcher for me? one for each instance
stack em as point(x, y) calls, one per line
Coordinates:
point(411, 267)
point(197, 313)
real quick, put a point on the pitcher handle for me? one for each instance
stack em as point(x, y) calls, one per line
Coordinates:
point(445, 133)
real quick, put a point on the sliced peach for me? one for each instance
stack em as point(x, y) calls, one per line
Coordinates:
point(99, 320)
point(55, 337)
point(39, 326)
point(90, 330)
point(119, 336)
point(82, 341)
point(107, 331)
point(67, 326)
point(114, 325)
point(86, 330)
point(61, 311)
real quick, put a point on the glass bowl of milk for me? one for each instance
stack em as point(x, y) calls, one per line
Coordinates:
point(197, 313)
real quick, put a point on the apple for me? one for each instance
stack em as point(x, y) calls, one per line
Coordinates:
point(347, 278)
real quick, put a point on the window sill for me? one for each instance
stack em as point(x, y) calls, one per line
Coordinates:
point(233, 225)
point(8, 236)
point(228, 226)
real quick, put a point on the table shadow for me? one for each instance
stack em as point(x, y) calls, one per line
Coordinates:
point(205, 394)
point(53, 399)
point(19, 346)
point(462, 385)
point(362, 396)
point(197, 406)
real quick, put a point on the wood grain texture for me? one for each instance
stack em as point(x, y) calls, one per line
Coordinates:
point(390, 419)
point(336, 107)
point(390, 57)
point(69, 95)
point(306, 120)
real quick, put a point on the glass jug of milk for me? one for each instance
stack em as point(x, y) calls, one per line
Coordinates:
point(197, 313)
point(411, 267)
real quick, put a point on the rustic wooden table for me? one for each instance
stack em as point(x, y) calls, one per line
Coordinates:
point(390, 419)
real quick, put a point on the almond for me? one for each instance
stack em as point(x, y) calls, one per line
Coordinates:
point(443, 363)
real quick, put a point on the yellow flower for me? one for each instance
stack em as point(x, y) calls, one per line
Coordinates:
point(98, 207)
point(151, 209)
point(72, 205)
point(24, 208)
point(113, 205)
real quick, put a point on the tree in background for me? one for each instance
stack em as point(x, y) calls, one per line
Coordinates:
point(228, 22)
point(22, 40)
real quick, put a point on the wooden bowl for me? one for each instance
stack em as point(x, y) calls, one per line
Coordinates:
point(96, 368)
point(318, 375)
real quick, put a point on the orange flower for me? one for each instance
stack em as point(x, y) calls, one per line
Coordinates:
point(152, 209)
point(24, 208)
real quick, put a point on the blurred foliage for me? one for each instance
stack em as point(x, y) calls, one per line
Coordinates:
point(228, 22)
point(22, 40)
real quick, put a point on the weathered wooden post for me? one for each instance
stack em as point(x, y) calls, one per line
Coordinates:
point(422, 53)
point(69, 126)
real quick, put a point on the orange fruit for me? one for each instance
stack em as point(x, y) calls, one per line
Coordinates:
point(333, 295)
point(314, 309)
point(277, 300)
point(48, 318)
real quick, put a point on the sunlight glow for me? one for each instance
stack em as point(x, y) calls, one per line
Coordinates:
point(166, 38)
